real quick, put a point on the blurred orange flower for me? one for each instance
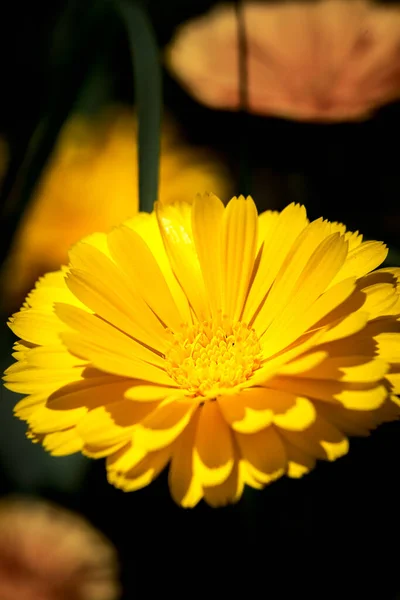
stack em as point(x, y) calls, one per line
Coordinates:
point(91, 184)
point(325, 60)
point(48, 553)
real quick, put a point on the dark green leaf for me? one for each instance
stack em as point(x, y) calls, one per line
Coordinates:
point(148, 97)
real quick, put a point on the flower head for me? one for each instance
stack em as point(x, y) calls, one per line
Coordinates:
point(325, 60)
point(48, 553)
point(233, 347)
point(95, 159)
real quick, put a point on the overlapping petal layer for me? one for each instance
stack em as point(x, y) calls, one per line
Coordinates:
point(233, 347)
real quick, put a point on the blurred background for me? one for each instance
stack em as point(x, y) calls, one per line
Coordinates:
point(68, 166)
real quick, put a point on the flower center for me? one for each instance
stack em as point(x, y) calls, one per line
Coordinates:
point(204, 359)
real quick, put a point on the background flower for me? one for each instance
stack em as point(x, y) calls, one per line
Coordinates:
point(48, 553)
point(91, 184)
point(232, 346)
point(325, 60)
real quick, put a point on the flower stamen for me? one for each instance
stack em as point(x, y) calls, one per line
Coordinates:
point(205, 358)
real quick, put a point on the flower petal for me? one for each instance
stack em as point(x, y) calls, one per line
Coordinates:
point(176, 230)
point(277, 241)
point(263, 453)
point(213, 450)
point(36, 326)
point(361, 260)
point(114, 423)
point(246, 412)
point(352, 396)
point(207, 216)
point(149, 393)
point(103, 335)
point(184, 485)
point(134, 257)
point(299, 462)
point(163, 426)
point(321, 440)
point(322, 266)
point(348, 369)
point(62, 443)
point(227, 492)
point(93, 390)
point(291, 270)
point(47, 420)
point(146, 225)
point(239, 243)
point(141, 474)
point(125, 458)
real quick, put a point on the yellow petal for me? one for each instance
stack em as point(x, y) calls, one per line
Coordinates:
point(331, 306)
point(227, 492)
point(348, 369)
point(361, 260)
point(63, 443)
point(354, 396)
point(33, 380)
point(49, 289)
point(303, 364)
point(394, 380)
point(112, 424)
point(93, 390)
point(299, 463)
point(345, 327)
point(351, 422)
point(92, 451)
point(101, 334)
point(98, 240)
point(111, 362)
point(263, 453)
point(126, 458)
point(46, 420)
point(380, 299)
point(143, 473)
point(185, 487)
point(149, 393)
point(298, 417)
point(28, 405)
point(37, 326)
point(52, 356)
point(207, 215)
point(134, 257)
point(213, 452)
point(289, 323)
point(291, 270)
point(246, 412)
point(176, 231)
point(146, 225)
point(239, 242)
point(273, 365)
point(321, 440)
point(267, 222)
point(277, 235)
point(98, 283)
point(389, 346)
point(164, 425)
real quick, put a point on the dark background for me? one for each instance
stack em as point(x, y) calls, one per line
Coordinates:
point(331, 535)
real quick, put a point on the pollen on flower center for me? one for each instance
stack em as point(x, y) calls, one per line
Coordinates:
point(204, 358)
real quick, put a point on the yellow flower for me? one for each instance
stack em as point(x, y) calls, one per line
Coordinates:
point(325, 60)
point(233, 347)
point(91, 184)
